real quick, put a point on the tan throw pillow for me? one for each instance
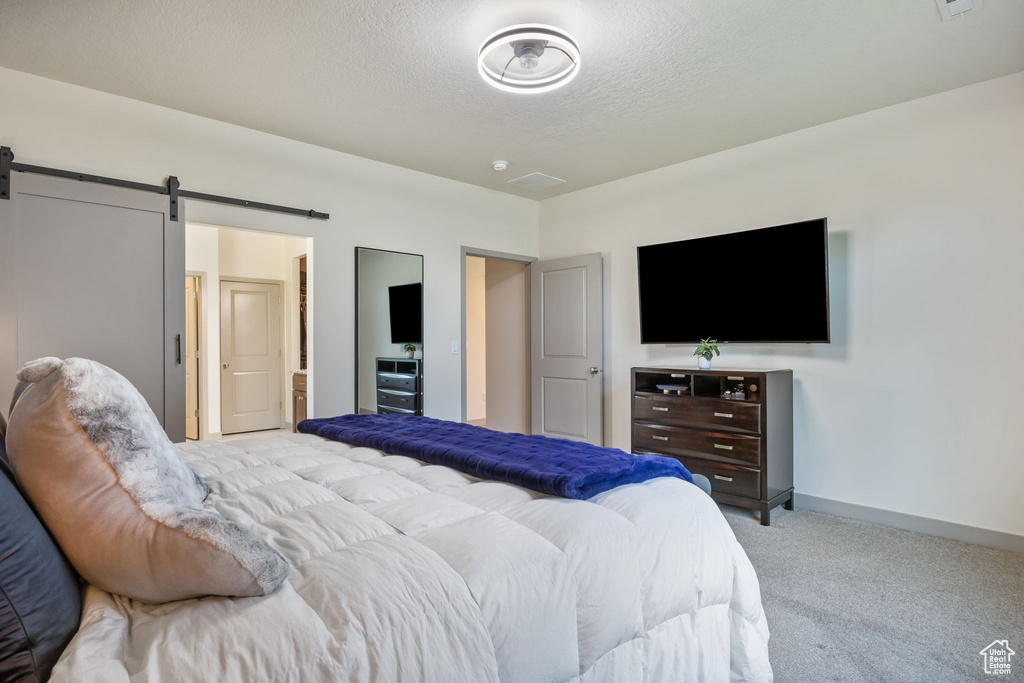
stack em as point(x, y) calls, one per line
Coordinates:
point(114, 491)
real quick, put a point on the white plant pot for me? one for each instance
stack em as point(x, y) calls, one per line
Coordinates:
point(409, 354)
point(703, 363)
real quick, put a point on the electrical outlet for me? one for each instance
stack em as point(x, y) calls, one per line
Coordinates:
point(455, 348)
point(483, 396)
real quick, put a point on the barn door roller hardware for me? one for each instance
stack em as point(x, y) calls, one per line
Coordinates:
point(171, 188)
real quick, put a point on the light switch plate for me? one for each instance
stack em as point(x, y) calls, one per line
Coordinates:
point(953, 9)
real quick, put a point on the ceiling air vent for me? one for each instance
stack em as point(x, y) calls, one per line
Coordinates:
point(536, 181)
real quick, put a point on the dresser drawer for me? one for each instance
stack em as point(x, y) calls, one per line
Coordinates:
point(394, 398)
point(735, 481)
point(384, 410)
point(394, 380)
point(682, 441)
point(299, 382)
point(712, 413)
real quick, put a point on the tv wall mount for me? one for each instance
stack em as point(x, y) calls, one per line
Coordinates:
point(172, 188)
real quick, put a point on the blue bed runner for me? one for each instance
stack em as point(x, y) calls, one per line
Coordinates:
point(560, 467)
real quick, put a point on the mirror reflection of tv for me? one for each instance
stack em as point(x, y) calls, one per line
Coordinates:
point(759, 286)
point(406, 308)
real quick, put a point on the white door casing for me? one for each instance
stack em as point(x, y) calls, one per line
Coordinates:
point(251, 398)
point(191, 352)
point(567, 348)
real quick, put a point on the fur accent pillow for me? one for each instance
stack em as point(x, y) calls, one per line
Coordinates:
point(125, 508)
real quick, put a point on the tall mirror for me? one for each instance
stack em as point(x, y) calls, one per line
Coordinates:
point(389, 332)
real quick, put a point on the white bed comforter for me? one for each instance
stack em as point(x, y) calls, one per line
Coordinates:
point(407, 572)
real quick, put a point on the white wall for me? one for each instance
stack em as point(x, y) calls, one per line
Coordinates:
point(379, 270)
point(248, 254)
point(915, 406)
point(476, 338)
point(905, 411)
point(371, 204)
point(508, 375)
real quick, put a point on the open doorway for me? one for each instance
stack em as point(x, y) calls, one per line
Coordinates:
point(254, 321)
point(496, 339)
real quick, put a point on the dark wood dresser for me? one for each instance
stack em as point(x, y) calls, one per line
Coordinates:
point(733, 426)
point(400, 386)
point(298, 399)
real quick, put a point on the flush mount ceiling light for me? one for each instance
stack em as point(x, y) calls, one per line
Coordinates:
point(529, 58)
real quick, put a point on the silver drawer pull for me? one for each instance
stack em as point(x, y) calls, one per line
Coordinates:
point(660, 438)
point(721, 478)
point(738, 379)
point(723, 414)
point(660, 409)
point(724, 448)
point(677, 375)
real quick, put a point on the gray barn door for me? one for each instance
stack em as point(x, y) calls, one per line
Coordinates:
point(250, 354)
point(95, 272)
point(567, 348)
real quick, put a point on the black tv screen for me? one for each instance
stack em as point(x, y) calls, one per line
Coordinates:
point(406, 303)
point(766, 285)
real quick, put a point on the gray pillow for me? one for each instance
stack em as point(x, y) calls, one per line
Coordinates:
point(40, 599)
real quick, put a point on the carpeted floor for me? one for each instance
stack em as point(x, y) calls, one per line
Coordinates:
point(853, 601)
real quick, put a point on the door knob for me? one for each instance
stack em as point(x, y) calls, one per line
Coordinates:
point(225, 366)
point(594, 371)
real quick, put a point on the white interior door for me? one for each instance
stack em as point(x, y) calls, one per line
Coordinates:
point(94, 271)
point(567, 348)
point(250, 386)
point(191, 358)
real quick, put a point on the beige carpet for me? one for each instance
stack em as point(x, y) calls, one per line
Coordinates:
point(853, 601)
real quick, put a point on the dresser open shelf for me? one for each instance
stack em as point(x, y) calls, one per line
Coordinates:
point(740, 440)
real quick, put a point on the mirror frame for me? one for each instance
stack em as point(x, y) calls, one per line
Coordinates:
point(355, 330)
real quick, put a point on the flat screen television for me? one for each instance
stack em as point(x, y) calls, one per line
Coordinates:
point(757, 286)
point(406, 309)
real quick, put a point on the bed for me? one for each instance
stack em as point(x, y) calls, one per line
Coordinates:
point(403, 571)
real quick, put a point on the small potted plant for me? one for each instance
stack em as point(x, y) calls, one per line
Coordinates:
point(410, 349)
point(706, 350)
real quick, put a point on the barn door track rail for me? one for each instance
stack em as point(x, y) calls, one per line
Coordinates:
point(172, 188)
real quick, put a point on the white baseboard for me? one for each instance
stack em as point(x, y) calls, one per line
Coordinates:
point(901, 520)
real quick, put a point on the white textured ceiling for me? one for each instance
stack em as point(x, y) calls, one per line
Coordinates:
point(662, 81)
